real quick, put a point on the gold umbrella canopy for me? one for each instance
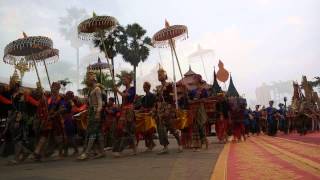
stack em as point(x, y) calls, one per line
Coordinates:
point(170, 33)
point(49, 56)
point(89, 27)
point(17, 50)
point(32, 50)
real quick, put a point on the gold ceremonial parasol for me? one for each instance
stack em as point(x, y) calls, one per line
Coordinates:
point(167, 37)
point(32, 50)
point(97, 27)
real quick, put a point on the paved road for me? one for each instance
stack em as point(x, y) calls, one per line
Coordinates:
point(187, 165)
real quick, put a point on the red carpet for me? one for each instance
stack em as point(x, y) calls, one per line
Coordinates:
point(264, 157)
point(313, 138)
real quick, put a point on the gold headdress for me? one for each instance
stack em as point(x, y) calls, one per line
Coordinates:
point(161, 70)
point(15, 79)
point(128, 76)
point(90, 73)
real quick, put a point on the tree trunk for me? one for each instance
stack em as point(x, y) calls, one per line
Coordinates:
point(112, 75)
point(134, 78)
point(78, 70)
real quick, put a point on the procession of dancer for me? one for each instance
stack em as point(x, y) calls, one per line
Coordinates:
point(36, 124)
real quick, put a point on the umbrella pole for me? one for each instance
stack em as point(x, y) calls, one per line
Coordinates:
point(35, 66)
point(45, 66)
point(113, 80)
point(100, 75)
point(175, 53)
point(204, 69)
point(174, 79)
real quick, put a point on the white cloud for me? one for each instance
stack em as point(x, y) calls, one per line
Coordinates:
point(294, 20)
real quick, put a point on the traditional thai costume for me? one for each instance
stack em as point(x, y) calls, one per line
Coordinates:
point(147, 103)
point(125, 127)
point(200, 119)
point(53, 128)
point(70, 126)
point(109, 125)
point(271, 121)
point(165, 114)
point(283, 124)
point(256, 122)
point(238, 129)
point(221, 126)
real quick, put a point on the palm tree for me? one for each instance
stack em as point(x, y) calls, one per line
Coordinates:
point(68, 29)
point(111, 46)
point(134, 46)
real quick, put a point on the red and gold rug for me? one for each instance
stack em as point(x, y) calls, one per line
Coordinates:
point(265, 157)
point(313, 138)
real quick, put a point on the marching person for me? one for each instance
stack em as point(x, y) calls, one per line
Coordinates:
point(198, 128)
point(256, 121)
point(223, 113)
point(165, 113)
point(125, 128)
point(69, 124)
point(95, 104)
point(271, 121)
point(52, 126)
point(147, 104)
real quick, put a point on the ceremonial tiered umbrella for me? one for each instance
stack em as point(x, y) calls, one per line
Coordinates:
point(33, 50)
point(200, 52)
point(98, 27)
point(99, 66)
point(46, 56)
point(166, 37)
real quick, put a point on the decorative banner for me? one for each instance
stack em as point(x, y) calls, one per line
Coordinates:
point(222, 74)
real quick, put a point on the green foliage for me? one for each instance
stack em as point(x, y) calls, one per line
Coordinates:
point(134, 46)
point(130, 42)
point(112, 42)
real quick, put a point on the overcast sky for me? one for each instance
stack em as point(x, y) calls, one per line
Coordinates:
point(258, 40)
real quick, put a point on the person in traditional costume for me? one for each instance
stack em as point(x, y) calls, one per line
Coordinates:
point(52, 125)
point(283, 124)
point(237, 112)
point(199, 121)
point(5, 109)
point(248, 118)
point(147, 104)
point(125, 133)
point(165, 112)
point(29, 124)
point(184, 105)
point(111, 114)
point(18, 122)
point(223, 113)
point(33, 100)
point(255, 125)
point(94, 130)
point(5, 106)
point(263, 120)
point(271, 121)
point(70, 124)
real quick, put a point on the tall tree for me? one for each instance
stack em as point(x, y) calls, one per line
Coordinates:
point(134, 46)
point(112, 44)
point(68, 28)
